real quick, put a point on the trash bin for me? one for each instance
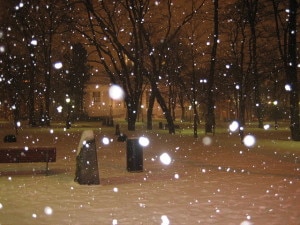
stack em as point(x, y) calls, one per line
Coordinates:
point(160, 125)
point(134, 155)
point(117, 130)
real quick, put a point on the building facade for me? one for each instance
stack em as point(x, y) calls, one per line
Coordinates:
point(97, 102)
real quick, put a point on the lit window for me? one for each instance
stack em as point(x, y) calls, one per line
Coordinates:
point(96, 97)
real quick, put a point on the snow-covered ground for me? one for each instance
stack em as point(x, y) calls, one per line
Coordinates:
point(210, 180)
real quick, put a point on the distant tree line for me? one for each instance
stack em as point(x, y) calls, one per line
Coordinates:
point(36, 40)
point(241, 56)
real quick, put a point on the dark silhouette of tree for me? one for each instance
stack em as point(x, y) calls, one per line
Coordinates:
point(168, 32)
point(36, 25)
point(235, 61)
point(112, 30)
point(189, 82)
point(249, 41)
point(130, 48)
point(210, 116)
point(14, 81)
point(252, 12)
point(20, 53)
point(286, 35)
point(291, 70)
point(171, 69)
point(142, 46)
point(77, 77)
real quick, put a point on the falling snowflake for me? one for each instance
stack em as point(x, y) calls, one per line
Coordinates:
point(207, 141)
point(116, 92)
point(233, 127)
point(48, 210)
point(249, 140)
point(2, 49)
point(144, 141)
point(58, 65)
point(165, 158)
point(246, 223)
point(33, 42)
point(105, 140)
point(288, 87)
point(164, 220)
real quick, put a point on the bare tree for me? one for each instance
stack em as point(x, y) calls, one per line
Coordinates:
point(291, 70)
point(77, 76)
point(189, 82)
point(168, 33)
point(17, 39)
point(210, 116)
point(286, 35)
point(39, 23)
point(236, 62)
point(132, 47)
point(114, 33)
point(252, 11)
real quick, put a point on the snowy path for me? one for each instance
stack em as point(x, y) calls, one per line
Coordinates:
point(220, 183)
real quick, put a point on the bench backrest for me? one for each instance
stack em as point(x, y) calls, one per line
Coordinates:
point(32, 154)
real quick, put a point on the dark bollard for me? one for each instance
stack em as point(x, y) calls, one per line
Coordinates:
point(122, 138)
point(134, 155)
point(117, 130)
point(68, 124)
point(111, 122)
point(86, 161)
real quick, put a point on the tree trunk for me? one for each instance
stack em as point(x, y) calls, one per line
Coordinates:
point(165, 109)
point(132, 112)
point(150, 111)
point(47, 99)
point(290, 63)
point(292, 71)
point(252, 12)
point(210, 116)
point(195, 123)
point(32, 121)
point(32, 76)
point(16, 112)
point(241, 111)
point(48, 73)
point(131, 119)
point(194, 101)
point(183, 113)
point(257, 97)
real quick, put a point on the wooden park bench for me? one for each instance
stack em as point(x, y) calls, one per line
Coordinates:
point(28, 155)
